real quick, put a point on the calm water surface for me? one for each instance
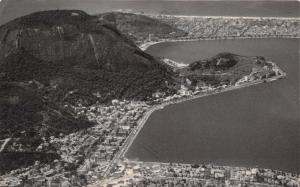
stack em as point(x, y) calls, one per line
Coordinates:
point(254, 126)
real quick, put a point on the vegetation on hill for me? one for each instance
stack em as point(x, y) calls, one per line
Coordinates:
point(52, 60)
point(224, 68)
point(29, 118)
point(221, 61)
point(15, 160)
point(70, 50)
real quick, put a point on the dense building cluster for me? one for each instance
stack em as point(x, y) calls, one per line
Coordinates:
point(130, 173)
point(267, 72)
point(90, 152)
point(114, 124)
point(223, 27)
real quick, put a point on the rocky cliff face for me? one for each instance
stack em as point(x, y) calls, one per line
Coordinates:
point(72, 47)
point(60, 35)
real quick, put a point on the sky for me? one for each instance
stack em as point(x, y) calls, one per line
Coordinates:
point(192, 0)
point(182, 0)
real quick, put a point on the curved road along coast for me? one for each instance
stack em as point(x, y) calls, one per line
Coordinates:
point(129, 140)
point(146, 45)
point(120, 155)
point(142, 121)
point(140, 124)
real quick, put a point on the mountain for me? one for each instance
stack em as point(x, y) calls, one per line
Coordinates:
point(71, 50)
point(51, 61)
point(139, 27)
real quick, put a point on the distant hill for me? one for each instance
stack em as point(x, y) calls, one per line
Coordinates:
point(224, 68)
point(139, 27)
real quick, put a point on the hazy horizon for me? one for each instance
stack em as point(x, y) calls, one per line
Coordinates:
point(11, 9)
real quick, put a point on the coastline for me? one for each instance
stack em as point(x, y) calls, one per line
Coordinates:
point(185, 164)
point(140, 124)
point(144, 46)
point(154, 108)
point(225, 17)
point(120, 160)
point(121, 155)
point(190, 24)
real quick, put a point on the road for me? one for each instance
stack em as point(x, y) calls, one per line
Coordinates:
point(140, 124)
point(129, 140)
point(4, 144)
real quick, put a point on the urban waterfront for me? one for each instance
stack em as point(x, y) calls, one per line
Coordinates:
point(255, 126)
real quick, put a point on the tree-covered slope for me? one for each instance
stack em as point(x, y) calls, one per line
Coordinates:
point(71, 50)
point(51, 61)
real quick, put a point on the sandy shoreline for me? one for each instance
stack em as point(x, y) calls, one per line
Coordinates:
point(146, 45)
point(224, 17)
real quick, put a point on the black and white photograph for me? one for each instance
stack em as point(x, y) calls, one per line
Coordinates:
point(149, 93)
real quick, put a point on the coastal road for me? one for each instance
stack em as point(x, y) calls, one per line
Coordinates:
point(129, 140)
point(4, 144)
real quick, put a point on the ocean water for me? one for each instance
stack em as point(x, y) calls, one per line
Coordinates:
point(10, 9)
point(256, 126)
